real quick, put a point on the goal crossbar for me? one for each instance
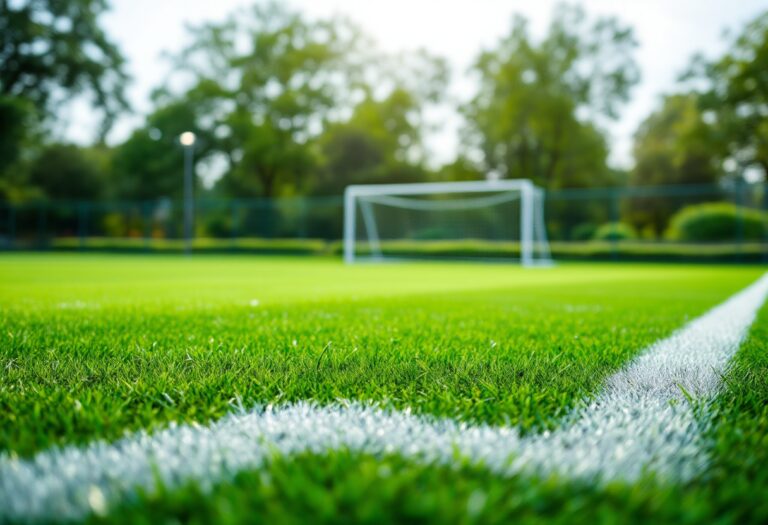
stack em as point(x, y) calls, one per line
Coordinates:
point(427, 188)
point(464, 204)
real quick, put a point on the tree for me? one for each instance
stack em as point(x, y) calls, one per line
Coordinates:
point(274, 81)
point(17, 130)
point(269, 78)
point(735, 96)
point(381, 142)
point(65, 171)
point(268, 161)
point(538, 107)
point(16, 123)
point(461, 169)
point(51, 50)
point(674, 145)
point(149, 164)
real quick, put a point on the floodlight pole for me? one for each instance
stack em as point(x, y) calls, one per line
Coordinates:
point(187, 140)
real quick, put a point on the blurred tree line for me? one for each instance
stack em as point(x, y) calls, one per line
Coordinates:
point(284, 105)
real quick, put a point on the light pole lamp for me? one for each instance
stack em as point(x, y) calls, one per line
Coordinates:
point(187, 140)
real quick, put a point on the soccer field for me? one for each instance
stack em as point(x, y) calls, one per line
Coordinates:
point(139, 389)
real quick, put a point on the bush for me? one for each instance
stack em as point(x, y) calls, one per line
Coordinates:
point(113, 225)
point(218, 226)
point(584, 231)
point(615, 231)
point(435, 233)
point(717, 221)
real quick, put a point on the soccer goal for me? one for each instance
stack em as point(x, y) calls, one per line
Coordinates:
point(477, 219)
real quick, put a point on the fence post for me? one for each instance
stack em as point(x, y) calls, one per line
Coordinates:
point(302, 218)
point(615, 217)
point(11, 225)
point(146, 213)
point(234, 230)
point(82, 222)
point(740, 203)
point(42, 224)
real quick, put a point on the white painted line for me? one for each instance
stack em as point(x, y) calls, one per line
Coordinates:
point(640, 423)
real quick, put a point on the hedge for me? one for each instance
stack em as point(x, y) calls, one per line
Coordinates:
point(717, 221)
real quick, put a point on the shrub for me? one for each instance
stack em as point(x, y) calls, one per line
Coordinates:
point(435, 233)
point(113, 225)
point(717, 221)
point(583, 231)
point(218, 226)
point(615, 231)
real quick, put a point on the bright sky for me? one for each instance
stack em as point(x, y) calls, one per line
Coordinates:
point(669, 32)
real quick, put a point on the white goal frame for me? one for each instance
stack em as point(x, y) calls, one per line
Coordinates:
point(528, 193)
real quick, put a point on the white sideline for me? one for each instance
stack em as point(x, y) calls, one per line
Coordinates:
point(640, 423)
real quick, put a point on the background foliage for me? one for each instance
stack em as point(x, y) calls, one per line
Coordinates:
point(285, 105)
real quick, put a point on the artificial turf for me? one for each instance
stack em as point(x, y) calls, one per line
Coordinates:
point(93, 346)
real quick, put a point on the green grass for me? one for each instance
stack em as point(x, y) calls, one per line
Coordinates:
point(93, 346)
point(360, 489)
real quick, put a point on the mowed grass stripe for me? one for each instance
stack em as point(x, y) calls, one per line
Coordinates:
point(640, 424)
point(88, 281)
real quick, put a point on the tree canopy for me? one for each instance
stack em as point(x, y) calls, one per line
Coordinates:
point(51, 50)
point(735, 95)
point(539, 105)
point(268, 78)
point(382, 140)
point(674, 145)
point(67, 172)
point(148, 164)
point(299, 106)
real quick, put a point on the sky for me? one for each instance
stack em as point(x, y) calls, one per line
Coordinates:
point(669, 33)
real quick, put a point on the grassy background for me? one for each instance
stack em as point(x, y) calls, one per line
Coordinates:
point(96, 281)
point(94, 345)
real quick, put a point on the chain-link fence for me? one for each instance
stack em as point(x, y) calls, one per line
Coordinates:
point(726, 222)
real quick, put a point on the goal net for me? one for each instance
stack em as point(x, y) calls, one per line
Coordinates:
point(478, 219)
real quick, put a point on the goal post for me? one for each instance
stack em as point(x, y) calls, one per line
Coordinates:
point(505, 217)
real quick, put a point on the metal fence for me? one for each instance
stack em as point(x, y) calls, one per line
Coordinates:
point(621, 223)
